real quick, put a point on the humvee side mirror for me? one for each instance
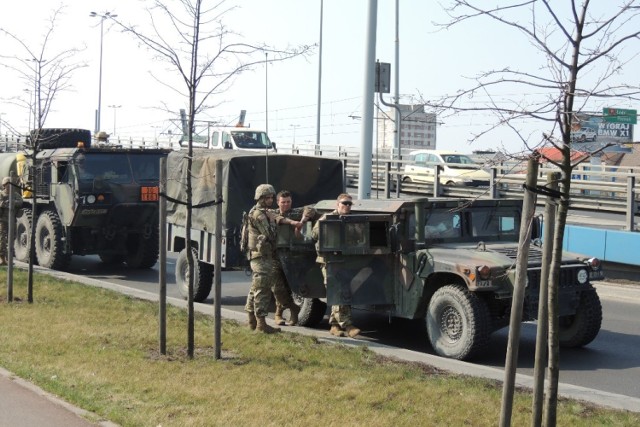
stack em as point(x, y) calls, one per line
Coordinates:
point(273, 144)
point(536, 227)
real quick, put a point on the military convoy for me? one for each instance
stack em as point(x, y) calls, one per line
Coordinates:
point(99, 199)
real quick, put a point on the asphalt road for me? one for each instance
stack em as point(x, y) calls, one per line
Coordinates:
point(610, 363)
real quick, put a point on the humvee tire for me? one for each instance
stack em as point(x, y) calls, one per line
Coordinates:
point(62, 138)
point(312, 310)
point(581, 328)
point(23, 236)
point(49, 243)
point(141, 252)
point(457, 322)
point(203, 276)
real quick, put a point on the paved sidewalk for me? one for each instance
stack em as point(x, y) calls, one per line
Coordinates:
point(23, 404)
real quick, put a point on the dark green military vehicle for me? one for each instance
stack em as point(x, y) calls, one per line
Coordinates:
point(449, 262)
point(100, 199)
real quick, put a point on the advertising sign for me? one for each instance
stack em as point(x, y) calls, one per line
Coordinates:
point(601, 130)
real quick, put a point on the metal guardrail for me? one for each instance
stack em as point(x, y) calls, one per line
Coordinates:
point(593, 187)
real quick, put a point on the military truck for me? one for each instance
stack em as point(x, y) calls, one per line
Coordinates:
point(309, 179)
point(449, 262)
point(99, 199)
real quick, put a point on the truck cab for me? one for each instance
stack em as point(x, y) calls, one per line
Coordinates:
point(235, 138)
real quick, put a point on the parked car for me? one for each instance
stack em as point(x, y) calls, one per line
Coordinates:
point(584, 135)
point(456, 168)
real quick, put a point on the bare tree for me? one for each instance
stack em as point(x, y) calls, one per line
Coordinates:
point(584, 50)
point(47, 73)
point(191, 37)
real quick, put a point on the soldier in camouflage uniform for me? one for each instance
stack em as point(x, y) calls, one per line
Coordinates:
point(340, 318)
point(281, 290)
point(4, 216)
point(262, 257)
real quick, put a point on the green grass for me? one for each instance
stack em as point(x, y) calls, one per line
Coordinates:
point(99, 350)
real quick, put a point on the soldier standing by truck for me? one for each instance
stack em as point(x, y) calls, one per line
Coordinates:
point(281, 290)
point(4, 215)
point(340, 318)
point(262, 245)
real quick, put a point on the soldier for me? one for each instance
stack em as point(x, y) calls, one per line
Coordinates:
point(4, 216)
point(262, 246)
point(340, 318)
point(280, 289)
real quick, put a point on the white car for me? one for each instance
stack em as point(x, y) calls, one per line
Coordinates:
point(584, 135)
point(456, 168)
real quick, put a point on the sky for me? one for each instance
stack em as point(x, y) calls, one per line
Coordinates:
point(433, 62)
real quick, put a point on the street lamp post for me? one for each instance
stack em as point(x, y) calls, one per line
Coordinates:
point(106, 15)
point(115, 108)
point(294, 132)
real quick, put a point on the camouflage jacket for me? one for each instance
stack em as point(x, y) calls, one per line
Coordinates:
point(262, 232)
point(4, 202)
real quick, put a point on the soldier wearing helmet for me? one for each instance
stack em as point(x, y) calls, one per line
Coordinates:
point(4, 215)
point(262, 246)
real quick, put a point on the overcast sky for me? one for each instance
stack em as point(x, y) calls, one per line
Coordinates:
point(432, 63)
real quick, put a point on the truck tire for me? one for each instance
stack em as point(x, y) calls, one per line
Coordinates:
point(458, 323)
point(49, 242)
point(203, 276)
point(312, 310)
point(142, 252)
point(581, 328)
point(23, 236)
point(62, 138)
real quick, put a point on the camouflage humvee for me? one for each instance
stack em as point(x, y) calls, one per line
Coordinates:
point(449, 262)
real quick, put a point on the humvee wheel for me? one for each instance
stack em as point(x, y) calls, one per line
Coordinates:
point(457, 322)
point(581, 328)
point(142, 252)
point(312, 310)
point(23, 236)
point(203, 276)
point(49, 244)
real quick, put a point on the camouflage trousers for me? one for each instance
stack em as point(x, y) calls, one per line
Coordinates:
point(4, 237)
point(340, 314)
point(259, 297)
point(280, 289)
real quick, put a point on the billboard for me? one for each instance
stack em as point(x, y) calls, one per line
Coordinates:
point(589, 129)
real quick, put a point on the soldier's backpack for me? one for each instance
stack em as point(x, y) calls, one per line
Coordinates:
point(244, 233)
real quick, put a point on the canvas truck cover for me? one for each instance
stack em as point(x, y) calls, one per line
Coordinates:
point(309, 179)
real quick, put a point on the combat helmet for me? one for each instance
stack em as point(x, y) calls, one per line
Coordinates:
point(264, 190)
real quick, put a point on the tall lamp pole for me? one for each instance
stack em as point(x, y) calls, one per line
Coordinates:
point(319, 77)
point(115, 108)
point(103, 16)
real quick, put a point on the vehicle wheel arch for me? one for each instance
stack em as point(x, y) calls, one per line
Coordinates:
point(432, 283)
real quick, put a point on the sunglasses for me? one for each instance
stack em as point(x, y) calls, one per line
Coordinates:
point(347, 203)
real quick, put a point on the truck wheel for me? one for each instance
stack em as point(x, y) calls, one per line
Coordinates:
point(458, 323)
point(23, 236)
point(62, 138)
point(581, 328)
point(312, 310)
point(141, 252)
point(49, 243)
point(203, 276)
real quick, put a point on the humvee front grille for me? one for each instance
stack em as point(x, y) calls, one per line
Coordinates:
point(568, 278)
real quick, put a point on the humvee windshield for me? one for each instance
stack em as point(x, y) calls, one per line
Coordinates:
point(488, 224)
point(118, 168)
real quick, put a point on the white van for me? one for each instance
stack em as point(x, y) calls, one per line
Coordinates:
point(456, 168)
point(235, 138)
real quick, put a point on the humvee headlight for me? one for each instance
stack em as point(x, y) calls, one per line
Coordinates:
point(583, 276)
point(594, 263)
point(91, 199)
point(484, 272)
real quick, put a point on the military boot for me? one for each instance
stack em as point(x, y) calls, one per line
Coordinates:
point(263, 327)
point(352, 331)
point(336, 330)
point(3, 260)
point(293, 317)
point(278, 317)
point(253, 322)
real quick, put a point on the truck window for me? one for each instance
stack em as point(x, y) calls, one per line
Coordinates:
point(442, 224)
